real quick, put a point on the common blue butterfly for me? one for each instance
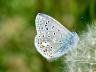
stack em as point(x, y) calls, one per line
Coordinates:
point(53, 40)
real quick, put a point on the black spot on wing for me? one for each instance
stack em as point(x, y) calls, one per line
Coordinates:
point(48, 36)
point(45, 25)
point(58, 30)
point(43, 35)
point(51, 47)
point(46, 22)
point(52, 27)
point(41, 27)
point(46, 28)
point(54, 33)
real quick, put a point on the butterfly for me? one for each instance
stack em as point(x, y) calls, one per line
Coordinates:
point(53, 40)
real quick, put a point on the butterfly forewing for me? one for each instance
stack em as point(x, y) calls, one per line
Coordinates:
point(45, 23)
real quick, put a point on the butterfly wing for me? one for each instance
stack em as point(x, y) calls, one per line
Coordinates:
point(45, 23)
point(52, 39)
point(69, 43)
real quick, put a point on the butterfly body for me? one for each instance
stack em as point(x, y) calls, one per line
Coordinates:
point(53, 39)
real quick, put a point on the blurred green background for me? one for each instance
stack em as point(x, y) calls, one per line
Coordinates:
point(17, 31)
